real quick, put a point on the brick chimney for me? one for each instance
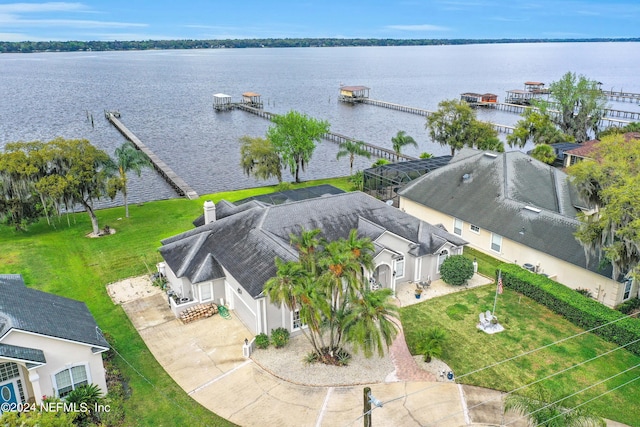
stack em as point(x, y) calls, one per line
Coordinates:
point(209, 212)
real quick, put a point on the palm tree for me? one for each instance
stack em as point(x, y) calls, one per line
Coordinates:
point(128, 158)
point(282, 288)
point(352, 148)
point(306, 245)
point(369, 324)
point(544, 414)
point(402, 139)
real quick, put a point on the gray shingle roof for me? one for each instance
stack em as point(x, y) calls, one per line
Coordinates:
point(498, 194)
point(43, 313)
point(32, 356)
point(247, 243)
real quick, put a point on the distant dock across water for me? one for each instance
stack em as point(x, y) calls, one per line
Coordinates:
point(360, 95)
point(375, 150)
point(178, 184)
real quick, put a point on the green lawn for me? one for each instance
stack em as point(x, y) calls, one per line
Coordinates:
point(63, 261)
point(528, 326)
point(487, 265)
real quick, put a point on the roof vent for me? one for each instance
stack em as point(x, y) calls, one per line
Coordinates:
point(532, 209)
point(466, 177)
point(491, 155)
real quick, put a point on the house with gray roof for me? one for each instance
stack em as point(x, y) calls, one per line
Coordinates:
point(228, 259)
point(519, 210)
point(49, 345)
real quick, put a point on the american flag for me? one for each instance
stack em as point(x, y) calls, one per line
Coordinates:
point(500, 284)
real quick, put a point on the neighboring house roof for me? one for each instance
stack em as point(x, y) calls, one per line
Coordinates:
point(585, 149)
point(225, 208)
point(510, 194)
point(42, 313)
point(246, 243)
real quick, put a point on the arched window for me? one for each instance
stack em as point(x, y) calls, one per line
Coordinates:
point(70, 379)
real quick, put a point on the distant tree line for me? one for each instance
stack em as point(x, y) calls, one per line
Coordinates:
point(74, 46)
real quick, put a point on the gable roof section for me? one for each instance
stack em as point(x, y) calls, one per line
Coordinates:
point(246, 244)
point(509, 194)
point(32, 356)
point(47, 314)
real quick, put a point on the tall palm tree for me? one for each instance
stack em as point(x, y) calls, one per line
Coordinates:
point(306, 244)
point(370, 325)
point(128, 158)
point(544, 414)
point(352, 148)
point(401, 140)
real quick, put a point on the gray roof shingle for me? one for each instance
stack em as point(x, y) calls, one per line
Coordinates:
point(32, 356)
point(510, 194)
point(43, 313)
point(247, 242)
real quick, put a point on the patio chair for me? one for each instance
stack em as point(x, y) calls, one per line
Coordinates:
point(484, 322)
point(488, 316)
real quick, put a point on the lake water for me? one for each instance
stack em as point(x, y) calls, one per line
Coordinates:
point(165, 97)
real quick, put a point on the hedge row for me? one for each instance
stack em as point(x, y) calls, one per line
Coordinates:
point(578, 309)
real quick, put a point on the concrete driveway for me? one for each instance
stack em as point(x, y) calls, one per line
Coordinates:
point(205, 359)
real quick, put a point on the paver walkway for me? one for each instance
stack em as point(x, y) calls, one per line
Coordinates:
point(406, 367)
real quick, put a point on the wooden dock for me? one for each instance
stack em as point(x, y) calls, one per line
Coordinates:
point(375, 150)
point(611, 116)
point(622, 96)
point(426, 113)
point(178, 184)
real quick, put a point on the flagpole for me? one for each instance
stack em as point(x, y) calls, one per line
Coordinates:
point(495, 300)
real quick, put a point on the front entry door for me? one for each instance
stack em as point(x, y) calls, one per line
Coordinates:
point(8, 395)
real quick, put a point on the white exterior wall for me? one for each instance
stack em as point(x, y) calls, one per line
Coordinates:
point(605, 290)
point(180, 285)
point(60, 354)
point(245, 307)
point(402, 246)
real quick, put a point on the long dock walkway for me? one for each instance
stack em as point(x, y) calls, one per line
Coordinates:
point(611, 116)
point(426, 113)
point(375, 150)
point(178, 184)
point(622, 96)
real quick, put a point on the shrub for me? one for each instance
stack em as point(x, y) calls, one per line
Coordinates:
point(262, 341)
point(456, 270)
point(431, 340)
point(279, 337)
point(432, 349)
point(629, 306)
point(585, 292)
point(284, 186)
point(578, 309)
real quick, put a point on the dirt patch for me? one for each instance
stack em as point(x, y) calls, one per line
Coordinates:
point(105, 232)
point(132, 289)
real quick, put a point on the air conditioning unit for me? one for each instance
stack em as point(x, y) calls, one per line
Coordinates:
point(530, 267)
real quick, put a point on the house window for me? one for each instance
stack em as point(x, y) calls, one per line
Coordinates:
point(206, 292)
point(627, 289)
point(8, 371)
point(496, 242)
point(441, 257)
point(399, 267)
point(457, 226)
point(296, 321)
point(474, 228)
point(70, 379)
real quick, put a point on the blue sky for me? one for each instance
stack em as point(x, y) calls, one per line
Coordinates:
point(216, 19)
